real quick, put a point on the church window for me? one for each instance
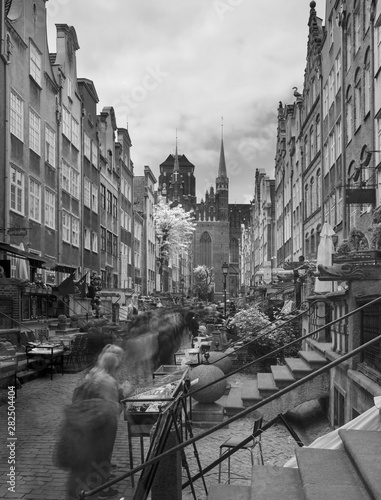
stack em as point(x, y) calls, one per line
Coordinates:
point(234, 253)
point(206, 249)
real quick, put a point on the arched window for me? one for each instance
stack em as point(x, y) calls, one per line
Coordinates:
point(312, 242)
point(312, 197)
point(234, 250)
point(349, 42)
point(318, 133)
point(206, 249)
point(312, 143)
point(318, 188)
point(357, 110)
point(367, 83)
point(349, 116)
point(306, 201)
point(307, 244)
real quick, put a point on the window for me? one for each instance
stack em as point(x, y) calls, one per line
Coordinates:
point(86, 146)
point(234, 250)
point(94, 154)
point(338, 72)
point(17, 191)
point(349, 117)
point(34, 131)
point(313, 198)
point(109, 242)
point(357, 30)
point(318, 188)
point(312, 142)
point(306, 151)
point(86, 192)
point(17, 116)
point(325, 100)
point(357, 109)
point(94, 198)
point(338, 138)
point(87, 242)
point(378, 140)
point(331, 84)
point(65, 176)
point(349, 43)
point(109, 202)
point(103, 239)
point(206, 249)
point(114, 245)
point(339, 204)
point(367, 83)
point(75, 231)
point(50, 146)
point(103, 196)
point(75, 183)
point(35, 64)
point(318, 133)
point(306, 201)
point(378, 43)
point(66, 119)
point(75, 133)
point(34, 200)
point(115, 207)
point(94, 242)
point(65, 226)
point(332, 149)
point(50, 209)
point(69, 87)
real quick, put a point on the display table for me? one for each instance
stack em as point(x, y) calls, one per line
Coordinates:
point(46, 351)
point(142, 410)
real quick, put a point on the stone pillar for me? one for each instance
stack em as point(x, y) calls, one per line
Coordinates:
point(168, 478)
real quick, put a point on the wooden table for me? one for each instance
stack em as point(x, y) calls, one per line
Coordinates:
point(46, 351)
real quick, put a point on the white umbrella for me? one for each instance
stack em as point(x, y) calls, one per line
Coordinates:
point(324, 257)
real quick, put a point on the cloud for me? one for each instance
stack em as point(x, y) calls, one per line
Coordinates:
point(230, 58)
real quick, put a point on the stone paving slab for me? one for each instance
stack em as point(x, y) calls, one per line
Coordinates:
point(39, 409)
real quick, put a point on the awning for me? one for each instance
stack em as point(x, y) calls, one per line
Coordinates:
point(63, 268)
point(34, 260)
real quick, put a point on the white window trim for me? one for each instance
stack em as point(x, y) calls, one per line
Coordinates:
point(16, 115)
point(35, 63)
point(19, 189)
point(34, 131)
point(50, 146)
point(34, 200)
point(50, 209)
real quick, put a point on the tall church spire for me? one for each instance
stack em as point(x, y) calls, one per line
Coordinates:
point(177, 166)
point(222, 164)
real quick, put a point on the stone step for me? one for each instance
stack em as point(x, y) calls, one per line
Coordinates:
point(298, 367)
point(363, 447)
point(234, 402)
point(313, 358)
point(250, 394)
point(275, 483)
point(266, 384)
point(329, 475)
point(282, 376)
point(229, 492)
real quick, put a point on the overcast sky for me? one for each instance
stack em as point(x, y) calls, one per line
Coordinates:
point(183, 64)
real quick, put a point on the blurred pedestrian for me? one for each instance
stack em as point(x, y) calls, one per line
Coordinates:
point(89, 430)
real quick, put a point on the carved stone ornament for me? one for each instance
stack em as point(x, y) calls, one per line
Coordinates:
point(349, 272)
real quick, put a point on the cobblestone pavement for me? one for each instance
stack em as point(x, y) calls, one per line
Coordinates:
point(39, 408)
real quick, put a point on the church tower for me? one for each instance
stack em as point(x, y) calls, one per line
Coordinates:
point(222, 187)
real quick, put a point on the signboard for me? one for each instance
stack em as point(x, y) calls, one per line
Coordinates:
point(360, 196)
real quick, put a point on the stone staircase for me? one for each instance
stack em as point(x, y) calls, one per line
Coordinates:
point(350, 473)
point(281, 376)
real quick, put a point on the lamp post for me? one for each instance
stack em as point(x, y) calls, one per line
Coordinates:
point(225, 269)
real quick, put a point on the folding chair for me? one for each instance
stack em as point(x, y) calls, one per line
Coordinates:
point(250, 446)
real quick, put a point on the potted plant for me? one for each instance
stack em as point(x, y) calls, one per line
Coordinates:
point(62, 322)
point(74, 321)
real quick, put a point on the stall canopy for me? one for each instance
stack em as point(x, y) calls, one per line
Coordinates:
point(34, 260)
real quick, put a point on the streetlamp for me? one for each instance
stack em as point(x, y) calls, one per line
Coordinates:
point(225, 269)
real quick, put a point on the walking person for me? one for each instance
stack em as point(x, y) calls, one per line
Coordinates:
point(89, 431)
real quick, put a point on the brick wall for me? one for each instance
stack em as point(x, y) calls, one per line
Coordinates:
point(9, 294)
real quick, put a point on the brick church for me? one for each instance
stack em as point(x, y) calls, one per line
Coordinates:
point(218, 230)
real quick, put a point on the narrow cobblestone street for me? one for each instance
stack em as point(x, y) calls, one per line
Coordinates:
point(39, 409)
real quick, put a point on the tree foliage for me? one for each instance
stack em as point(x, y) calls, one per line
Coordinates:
point(203, 277)
point(174, 228)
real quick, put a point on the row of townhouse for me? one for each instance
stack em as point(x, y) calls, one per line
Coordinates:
point(67, 179)
point(328, 149)
point(327, 169)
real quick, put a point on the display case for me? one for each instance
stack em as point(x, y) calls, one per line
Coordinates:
point(144, 408)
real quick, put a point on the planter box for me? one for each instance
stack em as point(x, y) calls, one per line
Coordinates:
point(366, 257)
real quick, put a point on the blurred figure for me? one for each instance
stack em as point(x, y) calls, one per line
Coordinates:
point(90, 428)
